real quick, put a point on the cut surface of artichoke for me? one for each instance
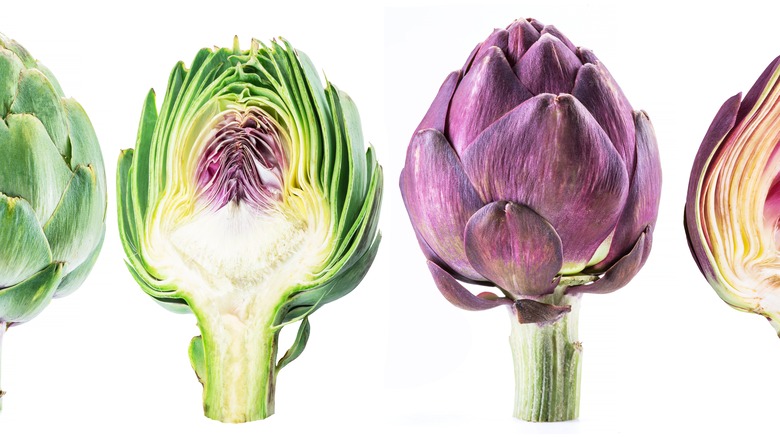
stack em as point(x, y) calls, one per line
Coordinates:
point(742, 240)
point(238, 255)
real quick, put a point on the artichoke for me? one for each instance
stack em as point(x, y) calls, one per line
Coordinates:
point(52, 189)
point(733, 203)
point(531, 173)
point(249, 200)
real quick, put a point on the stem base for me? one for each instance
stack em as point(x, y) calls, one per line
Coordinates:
point(236, 364)
point(547, 365)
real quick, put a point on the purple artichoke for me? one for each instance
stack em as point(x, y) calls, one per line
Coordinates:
point(531, 173)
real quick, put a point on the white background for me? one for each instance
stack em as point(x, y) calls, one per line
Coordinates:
point(663, 355)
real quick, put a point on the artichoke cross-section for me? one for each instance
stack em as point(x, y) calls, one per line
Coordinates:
point(250, 200)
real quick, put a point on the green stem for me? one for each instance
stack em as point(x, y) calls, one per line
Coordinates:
point(3, 328)
point(239, 369)
point(547, 364)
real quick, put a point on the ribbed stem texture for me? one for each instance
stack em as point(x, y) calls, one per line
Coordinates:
point(547, 365)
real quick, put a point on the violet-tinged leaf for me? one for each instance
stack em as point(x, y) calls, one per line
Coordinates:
point(641, 208)
point(552, 30)
point(551, 155)
point(514, 247)
point(587, 56)
point(538, 25)
point(498, 39)
point(439, 198)
point(436, 117)
point(721, 125)
point(459, 296)
point(757, 89)
point(488, 91)
point(533, 312)
point(548, 66)
point(595, 88)
point(620, 273)
point(522, 35)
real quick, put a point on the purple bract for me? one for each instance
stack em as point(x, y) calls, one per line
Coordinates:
point(531, 170)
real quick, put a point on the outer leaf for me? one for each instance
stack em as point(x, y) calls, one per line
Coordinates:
point(85, 149)
point(129, 223)
point(39, 174)
point(125, 212)
point(439, 198)
point(23, 301)
point(514, 247)
point(298, 345)
point(531, 311)
point(459, 296)
point(162, 295)
point(306, 302)
point(152, 163)
point(143, 147)
point(517, 157)
point(321, 108)
point(724, 120)
point(363, 228)
point(306, 109)
point(50, 76)
point(619, 274)
point(436, 117)
point(74, 278)
point(358, 183)
point(548, 66)
point(23, 246)
point(37, 96)
point(488, 91)
point(597, 90)
point(499, 39)
point(522, 35)
point(18, 50)
point(340, 180)
point(10, 67)
point(74, 240)
point(641, 209)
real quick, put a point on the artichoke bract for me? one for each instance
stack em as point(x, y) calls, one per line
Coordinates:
point(251, 201)
point(531, 173)
point(52, 189)
point(733, 204)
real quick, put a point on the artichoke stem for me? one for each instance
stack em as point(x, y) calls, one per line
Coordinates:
point(547, 364)
point(238, 370)
point(3, 328)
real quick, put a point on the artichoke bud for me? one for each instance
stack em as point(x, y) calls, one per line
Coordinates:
point(531, 171)
point(52, 189)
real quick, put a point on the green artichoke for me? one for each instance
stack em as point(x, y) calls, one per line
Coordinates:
point(251, 201)
point(52, 189)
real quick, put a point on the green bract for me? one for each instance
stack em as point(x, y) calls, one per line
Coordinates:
point(52, 189)
point(251, 201)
